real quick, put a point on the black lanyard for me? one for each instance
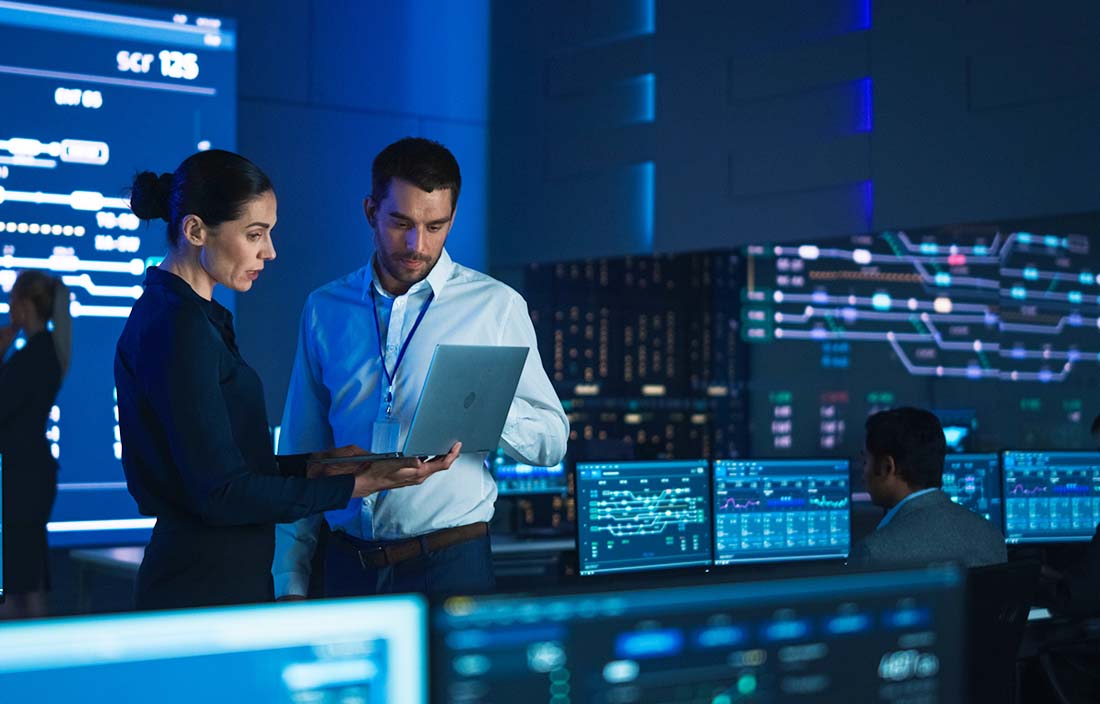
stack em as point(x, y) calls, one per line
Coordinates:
point(404, 347)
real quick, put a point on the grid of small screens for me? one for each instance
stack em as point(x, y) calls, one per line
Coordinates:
point(875, 637)
point(369, 651)
point(515, 478)
point(639, 516)
point(1051, 496)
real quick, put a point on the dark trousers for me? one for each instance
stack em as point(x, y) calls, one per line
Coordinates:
point(465, 568)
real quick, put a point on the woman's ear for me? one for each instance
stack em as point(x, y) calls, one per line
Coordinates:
point(193, 230)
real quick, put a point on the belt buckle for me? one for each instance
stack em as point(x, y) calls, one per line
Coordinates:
point(363, 555)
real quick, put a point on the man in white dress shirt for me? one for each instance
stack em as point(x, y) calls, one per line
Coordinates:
point(364, 347)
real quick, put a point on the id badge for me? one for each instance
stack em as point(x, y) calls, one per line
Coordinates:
point(384, 435)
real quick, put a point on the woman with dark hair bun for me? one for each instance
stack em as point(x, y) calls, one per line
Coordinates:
point(195, 443)
point(29, 383)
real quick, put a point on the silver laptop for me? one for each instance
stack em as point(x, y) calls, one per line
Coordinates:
point(465, 399)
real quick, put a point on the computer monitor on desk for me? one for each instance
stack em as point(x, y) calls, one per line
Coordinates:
point(636, 516)
point(781, 510)
point(874, 637)
point(370, 651)
point(1051, 497)
point(516, 478)
point(974, 481)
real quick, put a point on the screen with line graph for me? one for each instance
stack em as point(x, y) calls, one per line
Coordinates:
point(778, 510)
point(1051, 496)
point(635, 516)
point(92, 94)
point(997, 323)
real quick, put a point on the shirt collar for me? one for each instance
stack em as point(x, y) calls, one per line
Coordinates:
point(894, 511)
point(436, 279)
point(155, 276)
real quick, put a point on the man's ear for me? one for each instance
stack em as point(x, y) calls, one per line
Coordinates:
point(887, 467)
point(370, 209)
point(193, 230)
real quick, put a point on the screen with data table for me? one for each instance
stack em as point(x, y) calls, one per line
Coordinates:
point(643, 516)
point(974, 481)
point(778, 510)
point(875, 637)
point(1051, 497)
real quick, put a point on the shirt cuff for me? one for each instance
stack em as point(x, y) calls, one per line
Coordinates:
point(292, 465)
point(291, 584)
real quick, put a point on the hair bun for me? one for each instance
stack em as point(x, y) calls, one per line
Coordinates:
point(149, 196)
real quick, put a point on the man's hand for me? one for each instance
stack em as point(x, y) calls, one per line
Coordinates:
point(318, 469)
point(404, 471)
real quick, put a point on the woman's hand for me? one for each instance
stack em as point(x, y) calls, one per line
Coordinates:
point(316, 469)
point(404, 471)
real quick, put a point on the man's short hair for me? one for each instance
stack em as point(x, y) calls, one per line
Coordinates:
point(426, 164)
point(914, 438)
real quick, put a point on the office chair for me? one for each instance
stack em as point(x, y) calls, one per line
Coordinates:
point(998, 600)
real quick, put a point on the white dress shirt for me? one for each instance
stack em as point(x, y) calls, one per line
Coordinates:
point(337, 392)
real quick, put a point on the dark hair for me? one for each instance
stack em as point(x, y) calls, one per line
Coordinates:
point(426, 164)
point(914, 438)
point(1095, 425)
point(214, 185)
point(50, 298)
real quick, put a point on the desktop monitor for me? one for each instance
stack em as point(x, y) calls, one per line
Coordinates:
point(368, 651)
point(974, 481)
point(516, 478)
point(636, 516)
point(860, 637)
point(780, 510)
point(1051, 497)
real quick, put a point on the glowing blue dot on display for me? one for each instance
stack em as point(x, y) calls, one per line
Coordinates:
point(980, 250)
point(1031, 273)
point(1019, 293)
point(929, 248)
point(881, 301)
point(1051, 241)
point(943, 279)
point(1085, 277)
point(1075, 296)
point(1024, 237)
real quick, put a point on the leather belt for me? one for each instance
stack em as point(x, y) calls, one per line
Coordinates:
point(382, 554)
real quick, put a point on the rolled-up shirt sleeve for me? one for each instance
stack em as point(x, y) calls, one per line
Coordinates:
point(537, 429)
point(181, 371)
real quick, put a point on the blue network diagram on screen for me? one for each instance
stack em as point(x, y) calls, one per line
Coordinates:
point(643, 516)
point(92, 94)
point(775, 510)
point(974, 481)
point(369, 651)
point(517, 478)
point(1051, 496)
point(875, 637)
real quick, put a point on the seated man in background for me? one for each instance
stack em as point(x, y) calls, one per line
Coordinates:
point(903, 472)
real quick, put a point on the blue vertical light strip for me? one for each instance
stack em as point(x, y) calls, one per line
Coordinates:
point(646, 190)
point(649, 16)
point(863, 15)
point(644, 99)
